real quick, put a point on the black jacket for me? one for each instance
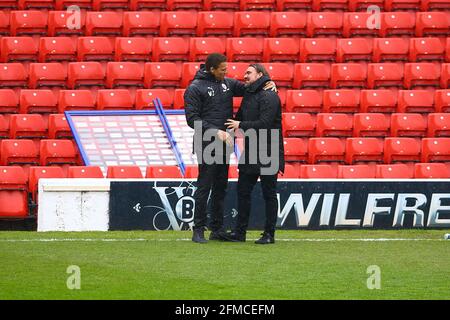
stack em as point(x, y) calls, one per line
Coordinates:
point(260, 109)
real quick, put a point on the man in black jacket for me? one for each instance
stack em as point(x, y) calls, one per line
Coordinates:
point(259, 117)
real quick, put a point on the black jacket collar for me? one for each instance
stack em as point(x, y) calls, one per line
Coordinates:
point(258, 84)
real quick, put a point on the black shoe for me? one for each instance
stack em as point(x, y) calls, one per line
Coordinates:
point(199, 236)
point(234, 237)
point(217, 235)
point(265, 239)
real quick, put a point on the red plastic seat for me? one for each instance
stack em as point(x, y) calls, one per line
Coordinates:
point(295, 150)
point(42, 172)
point(281, 73)
point(348, 75)
point(438, 5)
point(56, 49)
point(257, 5)
point(244, 49)
point(354, 49)
point(324, 24)
point(251, 23)
point(445, 75)
point(425, 49)
point(397, 24)
point(401, 150)
point(402, 5)
point(9, 101)
point(390, 49)
point(323, 5)
point(37, 101)
point(67, 23)
point(4, 127)
point(124, 74)
point(115, 99)
point(356, 24)
point(13, 192)
point(370, 125)
point(415, 101)
point(221, 5)
point(105, 23)
point(281, 49)
point(318, 171)
point(36, 4)
point(84, 172)
point(442, 100)
point(236, 70)
point(317, 49)
point(75, 100)
point(95, 48)
point(156, 171)
point(8, 4)
point(303, 101)
point(170, 49)
point(4, 23)
point(325, 150)
point(215, 23)
point(178, 99)
point(85, 74)
point(298, 124)
point(431, 171)
point(133, 49)
point(435, 150)
point(29, 22)
point(393, 171)
point(18, 152)
point(200, 48)
point(184, 4)
point(359, 150)
point(57, 152)
point(50, 74)
point(432, 24)
point(334, 125)
point(124, 172)
point(408, 125)
point(58, 127)
point(141, 23)
point(358, 171)
point(311, 75)
point(145, 97)
point(18, 49)
point(290, 172)
point(27, 126)
point(99, 5)
point(188, 72)
point(421, 75)
point(378, 101)
point(161, 74)
point(178, 23)
point(383, 75)
point(148, 5)
point(13, 75)
point(344, 100)
point(438, 125)
point(288, 23)
point(285, 5)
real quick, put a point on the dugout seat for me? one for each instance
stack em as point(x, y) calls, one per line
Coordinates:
point(124, 172)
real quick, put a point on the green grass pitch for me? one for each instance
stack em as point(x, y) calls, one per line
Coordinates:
point(167, 265)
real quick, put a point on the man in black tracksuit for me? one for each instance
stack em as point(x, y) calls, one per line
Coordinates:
point(260, 111)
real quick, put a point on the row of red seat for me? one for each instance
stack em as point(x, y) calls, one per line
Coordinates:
point(34, 126)
point(221, 23)
point(193, 49)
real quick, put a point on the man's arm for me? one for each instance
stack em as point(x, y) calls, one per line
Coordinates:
point(193, 108)
point(237, 87)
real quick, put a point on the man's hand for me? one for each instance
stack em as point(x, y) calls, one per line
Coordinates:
point(225, 137)
point(270, 85)
point(232, 124)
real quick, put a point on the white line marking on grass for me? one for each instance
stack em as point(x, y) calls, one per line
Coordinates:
point(187, 239)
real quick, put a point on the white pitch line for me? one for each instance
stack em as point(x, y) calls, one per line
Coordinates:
point(188, 239)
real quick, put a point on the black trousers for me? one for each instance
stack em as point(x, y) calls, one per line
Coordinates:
point(246, 182)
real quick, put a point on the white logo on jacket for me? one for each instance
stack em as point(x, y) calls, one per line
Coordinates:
point(210, 92)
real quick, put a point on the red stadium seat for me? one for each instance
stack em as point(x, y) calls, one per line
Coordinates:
point(37, 101)
point(298, 124)
point(56, 49)
point(133, 49)
point(9, 101)
point(57, 152)
point(383, 75)
point(390, 49)
point(288, 23)
point(117, 99)
point(184, 5)
point(43, 172)
point(334, 124)
point(359, 150)
point(84, 172)
point(141, 23)
point(18, 49)
point(394, 171)
point(36, 4)
point(281, 73)
point(435, 150)
point(4, 23)
point(431, 171)
point(18, 152)
point(345, 100)
point(99, 5)
point(359, 171)
point(415, 101)
point(428, 5)
point(244, 49)
point(178, 23)
point(95, 48)
point(324, 24)
point(442, 100)
point(318, 171)
point(402, 5)
point(200, 48)
point(28, 22)
point(311, 75)
point(325, 150)
point(188, 72)
point(398, 24)
point(148, 5)
point(85, 74)
point(13, 192)
point(438, 125)
point(285, 5)
point(303, 101)
point(421, 75)
point(178, 99)
point(447, 50)
point(251, 23)
point(408, 125)
point(124, 172)
point(75, 100)
point(215, 23)
point(50, 74)
point(323, 5)
point(105, 23)
point(221, 5)
point(119, 74)
point(159, 171)
point(67, 23)
point(445, 75)
point(281, 49)
point(58, 127)
point(13, 75)
point(378, 101)
point(401, 150)
point(236, 70)
point(362, 5)
point(295, 150)
point(145, 97)
point(356, 25)
point(370, 125)
point(318, 49)
point(354, 49)
point(290, 172)
point(8, 4)
point(161, 74)
point(348, 75)
point(425, 49)
point(258, 5)
point(4, 127)
point(170, 49)
point(27, 126)
point(432, 24)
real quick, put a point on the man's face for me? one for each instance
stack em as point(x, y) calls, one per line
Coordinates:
point(251, 75)
point(220, 72)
